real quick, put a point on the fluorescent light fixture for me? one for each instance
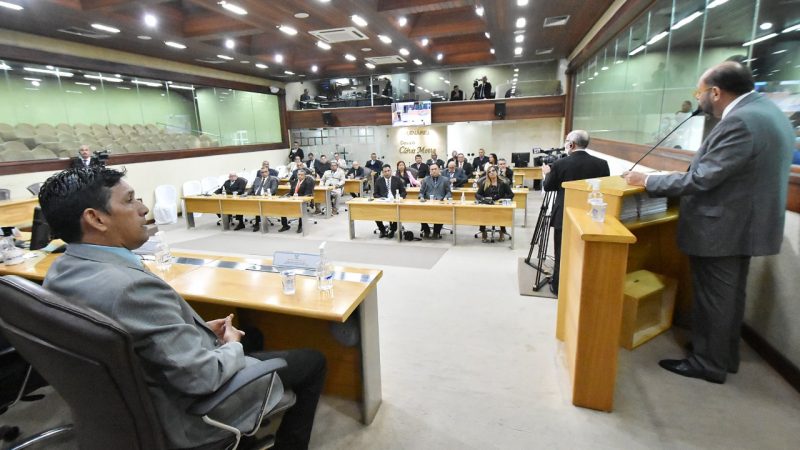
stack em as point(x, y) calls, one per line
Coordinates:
point(370, 65)
point(791, 28)
point(518, 50)
point(516, 69)
point(323, 45)
point(779, 52)
point(150, 20)
point(102, 78)
point(488, 35)
point(80, 83)
point(521, 22)
point(4, 66)
point(519, 38)
point(385, 39)
point(349, 57)
point(687, 20)
point(716, 3)
point(225, 57)
point(402, 21)
point(56, 72)
point(245, 61)
point(288, 30)
point(522, 2)
point(278, 58)
point(765, 26)
point(147, 83)
point(403, 51)
point(749, 60)
point(101, 27)
point(411, 84)
point(174, 44)
point(417, 62)
point(657, 37)
point(761, 39)
point(425, 41)
point(180, 86)
point(314, 68)
point(491, 50)
point(262, 66)
point(288, 72)
point(13, 6)
point(604, 68)
point(232, 7)
point(144, 37)
point(596, 74)
point(439, 57)
point(358, 20)
point(230, 43)
point(446, 81)
point(619, 61)
point(479, 10)
point(637, 50)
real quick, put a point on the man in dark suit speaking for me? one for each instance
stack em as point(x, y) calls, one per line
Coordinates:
point(733, 202)
point(579, 165)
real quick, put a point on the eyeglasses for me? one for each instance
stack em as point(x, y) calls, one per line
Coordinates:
point(699, 92)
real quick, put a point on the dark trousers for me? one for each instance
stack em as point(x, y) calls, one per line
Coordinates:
point(285, 222)
point(240, 218)
point(719, 294)
point(557, 263)
point(382, 227)
point(305, 375)
point(437, 228)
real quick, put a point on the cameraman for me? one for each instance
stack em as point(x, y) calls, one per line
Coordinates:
point(579, 165)
point(483, 89)
point(85, 158)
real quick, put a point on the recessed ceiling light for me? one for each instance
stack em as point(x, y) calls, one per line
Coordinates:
point(144, 37)
point(761, 39)
point(441, 78)
point(101, 27)
point(370, 65)
point(244, 61)
point(350, 57)
point(288, 30)
point(225, 57)
point(518, 50)
point(619, 61)
point(366, 49)
point(402, 21)
point(519, 38)
point(604, 68)
point(301, 15)
point(13, 6)
point(479, 10)
point(439, 57)
point(147, 83)
point(323, 45)
point(385, 39)
point(411, 84)
point(174, 44)
point(424, 42)
point(446, 81)
point(686, 20)
point(314, 68)
point(278, 58)
point(516, 70)
point(491, 50)
point(232, 7)
point(150, 20)
point(791, 28)
point(403, 51)
point(262, 66)
point(521, 22)
point(765, 25)
point(522, 2)
point(716, 3)
point(230, 43)
point(778, 52)
point(358, 20)
point(417, 62)
point(288, 72)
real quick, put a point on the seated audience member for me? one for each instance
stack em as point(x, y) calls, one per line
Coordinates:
point(302, 186)
point(493, 187)
point(311, 161)
point(294, 164)
point(420, 167)
point(355, 172)
point(182, 358)
point(334, 177)
point(321, 166)
point(462, 164)
point(374, 164)
point(234, 185)
point(295, 151)
point(84, 158)
point(405, 175)
point(453, 157)
point(387, 186)
point(504, 172)
point(263, 185)
point(455, 176)
point(434, 159)
point(340, 161)
point(492, 162)
point(480, 161)
point(301, 167)
point(438, 187)
point(265, 166)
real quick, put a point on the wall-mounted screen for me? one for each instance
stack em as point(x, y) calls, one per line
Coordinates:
point(411, 114)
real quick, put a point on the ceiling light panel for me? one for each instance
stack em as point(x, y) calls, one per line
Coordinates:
point(233, 7)
point(521, 22)
point(385, 39)
point(106, 28)
point(174, 44)
point(12, 6)
point(287, 30)
point(150, 20)
point(323, 45)
point(358, 20)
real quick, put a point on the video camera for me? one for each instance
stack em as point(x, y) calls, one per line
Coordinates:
point(102, 156)
point(550, 156)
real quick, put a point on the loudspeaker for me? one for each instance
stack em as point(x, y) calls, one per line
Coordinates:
point(500, 110)
point(327, 118)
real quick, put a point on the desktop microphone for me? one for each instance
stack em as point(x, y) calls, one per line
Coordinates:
point(696, 112)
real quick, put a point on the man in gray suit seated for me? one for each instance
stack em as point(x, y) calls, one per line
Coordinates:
point(264, 184)
point(183, 356)
point(434, 187)
point(733, 206)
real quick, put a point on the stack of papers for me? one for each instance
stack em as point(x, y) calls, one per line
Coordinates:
point(640, 205)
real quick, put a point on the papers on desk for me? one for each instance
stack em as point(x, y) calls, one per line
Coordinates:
point(641, 205)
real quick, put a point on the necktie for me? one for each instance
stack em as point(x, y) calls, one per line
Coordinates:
point(260, 186)
point(297, 187)
point(388, 186)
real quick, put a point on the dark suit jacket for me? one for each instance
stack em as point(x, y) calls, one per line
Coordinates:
point(78, 162)
point(439, 190)
point(733, 198)
point(508, 174)
point(456, 95)
point(239, 186)
point(375, 166)
point(293, 176)
point(359, 173)
point(484, 90)
point(306, 189)
point(438, 161)
point(270, 183)
point(478, 162)
point(320, 168)
point(467, 168)
point(579, 165)
point(459, 175)
point(422, 170)
point(272, 172)
point(293, 153)
point(503, 190)
point(396, 185)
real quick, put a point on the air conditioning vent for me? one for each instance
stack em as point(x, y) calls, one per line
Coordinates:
point(91, 34)
point(394, 59)
point(555, 21)
point(335, 35)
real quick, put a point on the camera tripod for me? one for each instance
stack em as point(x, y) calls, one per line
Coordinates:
point(541, 236)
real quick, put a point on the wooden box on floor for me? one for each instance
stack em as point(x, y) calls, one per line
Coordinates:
point(648, 306)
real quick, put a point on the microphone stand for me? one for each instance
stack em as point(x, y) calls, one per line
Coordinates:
point(695, 113)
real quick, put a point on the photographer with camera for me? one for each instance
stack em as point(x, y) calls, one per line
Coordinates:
point(85, 158)
point(578, 165)
point(482, 87)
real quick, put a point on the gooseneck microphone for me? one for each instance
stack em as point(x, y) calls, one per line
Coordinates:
point(696, 112)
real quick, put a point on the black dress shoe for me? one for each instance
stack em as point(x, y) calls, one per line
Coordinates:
point(255, 229)
point(239, 227)
point(683, 368)
point(382, 234)
point(390, 235)
point(437, 236)
point(299, 229)
point(283, 228)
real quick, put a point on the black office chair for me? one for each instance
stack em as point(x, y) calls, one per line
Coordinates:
point(5, 194)
point(89, 359)
point(35, 188)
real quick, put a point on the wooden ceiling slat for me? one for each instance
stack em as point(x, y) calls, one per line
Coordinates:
point(447, 23)
point(418, 6)
point(212, 25)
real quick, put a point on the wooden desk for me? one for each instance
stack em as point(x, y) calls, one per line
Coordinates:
point(416, 211)
point(228, 205)
point(17, 213)
point(520, 197)
point(527, 173)
point(308, 319)
point(354, 186)
point(322, 196)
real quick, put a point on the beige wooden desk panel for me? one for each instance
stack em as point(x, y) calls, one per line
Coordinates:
point(17, 213)
point(202, 204)
point(249, 206)
point(362, 209)
point(485, 215)
point(435, 211)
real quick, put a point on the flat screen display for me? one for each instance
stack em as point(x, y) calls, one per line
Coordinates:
point(406, 114)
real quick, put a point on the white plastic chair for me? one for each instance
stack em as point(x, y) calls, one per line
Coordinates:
point(283, 172)
point(166, 209)
point(209, 185)
point(193, 187)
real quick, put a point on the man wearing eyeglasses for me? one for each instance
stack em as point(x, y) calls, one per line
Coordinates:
point(733, 201)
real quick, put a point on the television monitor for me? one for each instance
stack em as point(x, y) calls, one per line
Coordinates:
point(521, 159)
point(40, 232)
point(406, 114)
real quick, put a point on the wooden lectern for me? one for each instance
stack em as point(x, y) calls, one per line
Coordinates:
point(595, 257)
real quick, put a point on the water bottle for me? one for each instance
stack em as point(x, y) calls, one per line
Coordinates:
point(269, 193)
point(463, 198)
point(397, 195)
point(162, 254)
point(324, 271)
point(595, 197)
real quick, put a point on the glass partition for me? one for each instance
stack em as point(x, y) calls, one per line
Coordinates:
point(49, 112)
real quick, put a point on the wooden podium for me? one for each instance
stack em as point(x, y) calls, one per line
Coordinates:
point(595, 257)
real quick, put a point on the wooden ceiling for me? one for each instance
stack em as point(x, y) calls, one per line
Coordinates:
point(452, 28)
